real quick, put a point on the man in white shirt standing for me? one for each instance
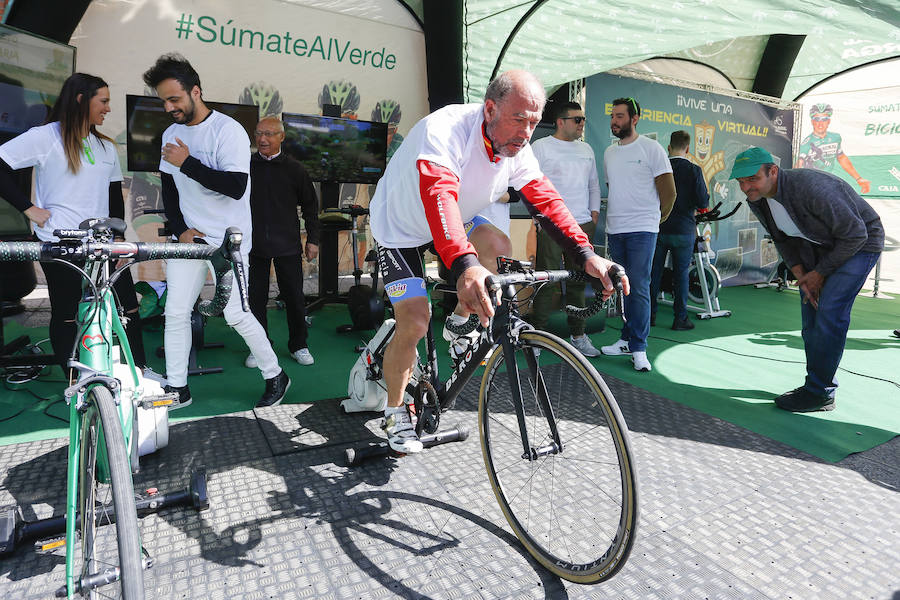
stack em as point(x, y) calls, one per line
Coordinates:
point(205, 171)
point(641, 195)
point(570, 166)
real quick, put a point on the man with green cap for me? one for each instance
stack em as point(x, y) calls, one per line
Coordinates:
point(830, 238)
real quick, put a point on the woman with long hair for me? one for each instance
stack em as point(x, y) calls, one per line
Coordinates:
point(77, 177)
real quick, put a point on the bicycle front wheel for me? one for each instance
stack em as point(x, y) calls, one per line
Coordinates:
point(110, 556)
point(573, 504)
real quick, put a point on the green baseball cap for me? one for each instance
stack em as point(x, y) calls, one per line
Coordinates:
point(749, 161)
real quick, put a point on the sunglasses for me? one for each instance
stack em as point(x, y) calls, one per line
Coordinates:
point(820, 119)
point(634, 105)
point(578, 120)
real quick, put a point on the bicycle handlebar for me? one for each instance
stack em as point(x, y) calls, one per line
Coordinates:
point(528, 278)
point(71, 248)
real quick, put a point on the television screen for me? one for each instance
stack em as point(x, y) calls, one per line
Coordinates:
point(336, 150)
point(32, 72)
point(147, 120)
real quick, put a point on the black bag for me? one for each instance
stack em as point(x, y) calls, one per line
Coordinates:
point(366, 309)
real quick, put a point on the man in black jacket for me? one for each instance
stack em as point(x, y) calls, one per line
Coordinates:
point(678, 233)
point(278, 185)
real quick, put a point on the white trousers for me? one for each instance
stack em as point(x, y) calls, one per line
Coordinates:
point(185, 279)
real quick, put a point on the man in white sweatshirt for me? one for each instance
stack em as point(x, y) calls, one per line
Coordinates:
point(570, 166)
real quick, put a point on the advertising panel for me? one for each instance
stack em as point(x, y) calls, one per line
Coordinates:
point(721, 126)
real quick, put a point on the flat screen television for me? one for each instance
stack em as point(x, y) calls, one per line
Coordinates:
point(336, 150)
point(146, 120)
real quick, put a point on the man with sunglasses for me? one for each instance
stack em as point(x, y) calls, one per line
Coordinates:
point(641, 196)
point(822, 148)
point(570, 166)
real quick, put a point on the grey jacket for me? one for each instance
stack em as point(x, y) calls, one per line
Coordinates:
point(825, 209)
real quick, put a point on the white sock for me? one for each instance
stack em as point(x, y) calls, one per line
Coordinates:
point(456, 319)
point(392, 410)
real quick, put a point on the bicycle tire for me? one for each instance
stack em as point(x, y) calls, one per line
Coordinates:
point(102, 551)
point(574, 511)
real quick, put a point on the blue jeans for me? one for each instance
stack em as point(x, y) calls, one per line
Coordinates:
point(634, 251)
point(825, 328)
point(681, 245)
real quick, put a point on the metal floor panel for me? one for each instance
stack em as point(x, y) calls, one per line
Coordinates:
point(725, 513)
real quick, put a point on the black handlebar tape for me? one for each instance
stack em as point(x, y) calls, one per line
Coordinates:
point(20, 251)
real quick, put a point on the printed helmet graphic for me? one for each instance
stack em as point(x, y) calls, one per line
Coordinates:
point(265, 96)
point(342, 93)
point(386, 111)
point(821, 109)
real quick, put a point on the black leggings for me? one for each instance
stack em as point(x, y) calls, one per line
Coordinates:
point(64, 288)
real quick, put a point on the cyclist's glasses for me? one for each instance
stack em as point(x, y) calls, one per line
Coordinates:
point(578, 120)
point(819, 119)
point(634, 105)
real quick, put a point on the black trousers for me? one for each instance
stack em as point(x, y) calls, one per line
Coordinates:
point(64, 288)
point(289, 275)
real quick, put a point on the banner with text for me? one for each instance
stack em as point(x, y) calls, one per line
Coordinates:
point(856, 136)
point(282, 56)
point(720, 126)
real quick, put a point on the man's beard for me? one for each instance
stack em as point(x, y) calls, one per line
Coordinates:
point(623, 133)
point(187, 116)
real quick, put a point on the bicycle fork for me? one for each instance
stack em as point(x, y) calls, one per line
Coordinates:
point(529, 452)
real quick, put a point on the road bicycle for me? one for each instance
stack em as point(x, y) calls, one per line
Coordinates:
point(554, 441)
point(106, 404)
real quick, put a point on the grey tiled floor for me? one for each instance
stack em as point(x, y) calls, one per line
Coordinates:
point(725, 513)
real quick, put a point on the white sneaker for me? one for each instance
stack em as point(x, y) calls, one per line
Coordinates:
point(460, 344)
point(149, 373)
point(583, 344)
point(618, 349)
point(303, 356)
point(400, 431)
point(250, 362)
point(640, 361)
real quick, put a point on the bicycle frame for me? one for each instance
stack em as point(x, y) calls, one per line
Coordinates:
point(504, 329)
point(96, 323)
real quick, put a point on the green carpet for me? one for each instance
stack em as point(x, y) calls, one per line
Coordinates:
point(730, 368)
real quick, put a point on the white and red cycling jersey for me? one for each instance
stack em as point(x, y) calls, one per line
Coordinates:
point(445, 173)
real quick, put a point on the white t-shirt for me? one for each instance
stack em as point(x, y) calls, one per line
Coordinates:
point(498, 214)
point(631, 170)
point(70, 197)
point(220, 143)
point(450, 137)
point(572, 169)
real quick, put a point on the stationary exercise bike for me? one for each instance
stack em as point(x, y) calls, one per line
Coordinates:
point(365, 305)
point(703, 291)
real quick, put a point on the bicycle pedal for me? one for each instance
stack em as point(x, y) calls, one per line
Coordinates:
point(170, 399)
point(49, 545)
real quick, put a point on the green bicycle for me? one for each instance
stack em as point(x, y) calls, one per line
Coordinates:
point(106, 401)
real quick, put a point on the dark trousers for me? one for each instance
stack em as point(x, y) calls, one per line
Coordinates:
point(289, 275)
point(64, 288)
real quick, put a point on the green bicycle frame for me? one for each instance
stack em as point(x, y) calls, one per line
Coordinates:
point(95, 352)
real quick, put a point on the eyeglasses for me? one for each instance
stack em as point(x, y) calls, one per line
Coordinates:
point(266, 133)
point(578, 120)
point(634, 105)
point(820, 119)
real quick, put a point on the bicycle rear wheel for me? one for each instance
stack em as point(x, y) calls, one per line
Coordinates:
point(575, 510)
point(108, 553)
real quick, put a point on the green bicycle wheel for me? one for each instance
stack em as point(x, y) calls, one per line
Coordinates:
point(110, 555)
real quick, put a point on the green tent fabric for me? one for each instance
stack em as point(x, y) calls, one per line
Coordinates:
point(565, 40)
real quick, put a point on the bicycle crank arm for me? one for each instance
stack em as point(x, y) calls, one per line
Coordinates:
point(356, 456)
